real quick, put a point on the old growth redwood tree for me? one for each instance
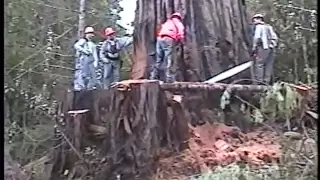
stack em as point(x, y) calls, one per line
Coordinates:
point(133, 129)
point(216, 37)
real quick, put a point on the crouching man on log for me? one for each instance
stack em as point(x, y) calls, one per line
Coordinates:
point(110, 56)
point(263, 49)
point(86, 62)
point(170, 35)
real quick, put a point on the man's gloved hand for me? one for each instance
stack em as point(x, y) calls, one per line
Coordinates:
point(253, 52)
point(105, 60)
point(128, 34)
point(96, 64)
point(86, 52)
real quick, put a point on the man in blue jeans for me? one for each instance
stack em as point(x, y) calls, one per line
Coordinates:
point(170, 34)
point(265, 41)
point(86, 62)
point(110, 56)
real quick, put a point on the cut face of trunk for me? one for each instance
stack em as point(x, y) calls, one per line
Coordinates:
point(216, 37)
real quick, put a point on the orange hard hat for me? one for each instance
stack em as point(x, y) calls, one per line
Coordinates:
point(176, 14)
point(109, 31)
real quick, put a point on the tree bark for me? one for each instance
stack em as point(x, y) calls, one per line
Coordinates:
point(82, 15)
point(216, 36)
point(127, 127)
point(216, 39)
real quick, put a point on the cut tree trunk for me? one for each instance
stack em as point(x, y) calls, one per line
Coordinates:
point(126, 127)
point(216, 37)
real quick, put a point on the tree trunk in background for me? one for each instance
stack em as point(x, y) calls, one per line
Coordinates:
point(216, 37)
point(82, 15)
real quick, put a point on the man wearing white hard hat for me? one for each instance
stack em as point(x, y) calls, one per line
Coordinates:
point(86, 62)
point(263, 48)
point(110, 56)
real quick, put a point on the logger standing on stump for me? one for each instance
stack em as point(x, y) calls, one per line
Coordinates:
point(86, 62)
point(263, 48)
point(110, 56)
point(170, 35)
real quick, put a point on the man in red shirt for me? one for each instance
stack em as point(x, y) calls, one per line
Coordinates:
point(170, 34)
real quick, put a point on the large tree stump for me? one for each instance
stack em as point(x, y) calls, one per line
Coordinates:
point(133, 121)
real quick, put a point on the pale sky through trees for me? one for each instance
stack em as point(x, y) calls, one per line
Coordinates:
point(127, 15)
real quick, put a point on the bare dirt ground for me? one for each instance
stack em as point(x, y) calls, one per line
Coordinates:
point(218, 144)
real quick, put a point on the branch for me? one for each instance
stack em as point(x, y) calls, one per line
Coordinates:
point(298, 8)
point(37, 52)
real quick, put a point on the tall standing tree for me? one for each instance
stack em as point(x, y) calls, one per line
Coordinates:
point(82, 16)
point(216, 37)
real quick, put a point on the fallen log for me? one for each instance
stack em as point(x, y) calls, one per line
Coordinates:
point(39, 169)
point(12, 170)
point(185, 86)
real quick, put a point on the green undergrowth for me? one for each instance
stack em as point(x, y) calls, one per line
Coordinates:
point(244, 172)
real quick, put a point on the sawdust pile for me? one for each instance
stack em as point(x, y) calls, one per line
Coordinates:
point(219, 145)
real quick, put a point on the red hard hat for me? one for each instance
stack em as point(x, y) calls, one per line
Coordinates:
point(108, 31)
point(176, 14)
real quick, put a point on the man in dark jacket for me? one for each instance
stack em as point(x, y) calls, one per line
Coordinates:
point(110, 56)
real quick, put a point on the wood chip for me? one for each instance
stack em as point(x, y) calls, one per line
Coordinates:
point(78, 111)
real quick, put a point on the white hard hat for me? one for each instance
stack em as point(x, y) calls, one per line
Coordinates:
point(89, 29)
point(257, 16)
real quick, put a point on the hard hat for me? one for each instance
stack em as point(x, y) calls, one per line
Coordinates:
point(176, 14)
point(89, 29)
point(109, 31)
point(257, 16)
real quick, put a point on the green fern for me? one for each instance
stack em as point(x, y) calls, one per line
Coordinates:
point(280, 100)
point(257, 116)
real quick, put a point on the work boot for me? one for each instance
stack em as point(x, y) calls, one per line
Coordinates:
point(170, 80)
point(153, 76)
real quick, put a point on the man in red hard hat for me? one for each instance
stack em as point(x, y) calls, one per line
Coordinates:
point(171, 33)
point(110, 56)
point(86, 61)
